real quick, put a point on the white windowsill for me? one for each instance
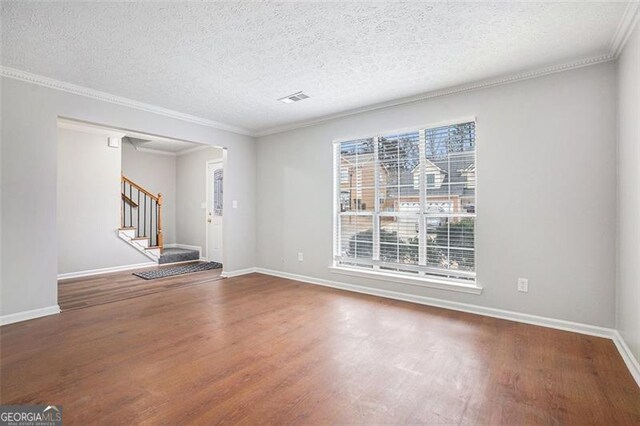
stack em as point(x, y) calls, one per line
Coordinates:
point(426, 281)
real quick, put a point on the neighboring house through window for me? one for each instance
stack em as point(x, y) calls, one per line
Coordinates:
point(411, 203)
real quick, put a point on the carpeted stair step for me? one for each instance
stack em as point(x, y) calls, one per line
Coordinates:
point(171, 255)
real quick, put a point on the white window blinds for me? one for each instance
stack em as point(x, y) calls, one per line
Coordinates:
point(406, 202)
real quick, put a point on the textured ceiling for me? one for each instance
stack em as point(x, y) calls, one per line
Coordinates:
point(229, 62)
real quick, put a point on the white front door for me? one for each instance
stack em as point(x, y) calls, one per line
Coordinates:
point(214, 212)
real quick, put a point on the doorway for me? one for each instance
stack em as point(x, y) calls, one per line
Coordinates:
point(149, 200)
point(215, 210)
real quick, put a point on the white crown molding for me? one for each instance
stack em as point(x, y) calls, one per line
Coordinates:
point(627, 24)
point(625, 28)
point(114, 99)
point(482, 84)
point(630, 18)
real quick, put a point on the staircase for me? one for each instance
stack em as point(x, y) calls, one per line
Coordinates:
point(141, 219)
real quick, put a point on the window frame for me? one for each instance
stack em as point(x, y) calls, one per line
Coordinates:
point(424, 279)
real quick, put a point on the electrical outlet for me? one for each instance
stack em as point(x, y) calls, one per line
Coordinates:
point(523, 285)
point(300, 257)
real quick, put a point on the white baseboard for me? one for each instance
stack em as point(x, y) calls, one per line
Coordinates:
point(101, 271)
point(27, 315)
point(591, 330)
point(237, 273)
point(627, 356)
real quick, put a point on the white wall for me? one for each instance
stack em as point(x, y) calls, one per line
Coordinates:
point(29, 163)
point(191, 190)
point(89, 170)
point(628, 280)
point(157, 174)
point(88, 204)
point(546, 193)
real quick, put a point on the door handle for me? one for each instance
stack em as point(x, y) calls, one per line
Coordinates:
point(209, 220)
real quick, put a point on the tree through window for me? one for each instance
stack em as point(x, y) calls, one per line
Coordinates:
point(407, 202)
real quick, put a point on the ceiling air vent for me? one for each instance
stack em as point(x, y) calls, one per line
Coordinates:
point(293, 98)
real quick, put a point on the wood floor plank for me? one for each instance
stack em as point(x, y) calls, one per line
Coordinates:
point(257, 350)
point(77, 293)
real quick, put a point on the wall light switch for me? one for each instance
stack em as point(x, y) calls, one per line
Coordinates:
point(234, 204)
point(523, 285)
point(300, 257)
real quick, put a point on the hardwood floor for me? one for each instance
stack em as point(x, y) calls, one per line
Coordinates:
point(258, 350)
point(76, 293)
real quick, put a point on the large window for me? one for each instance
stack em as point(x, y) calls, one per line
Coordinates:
point(405, 203)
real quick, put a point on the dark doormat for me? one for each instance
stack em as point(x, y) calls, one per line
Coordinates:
point(178, 270)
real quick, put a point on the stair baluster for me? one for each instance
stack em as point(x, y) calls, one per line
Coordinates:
point(151, 219)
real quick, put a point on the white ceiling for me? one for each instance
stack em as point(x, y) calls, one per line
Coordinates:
point(165, 145)
point(229, 62)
